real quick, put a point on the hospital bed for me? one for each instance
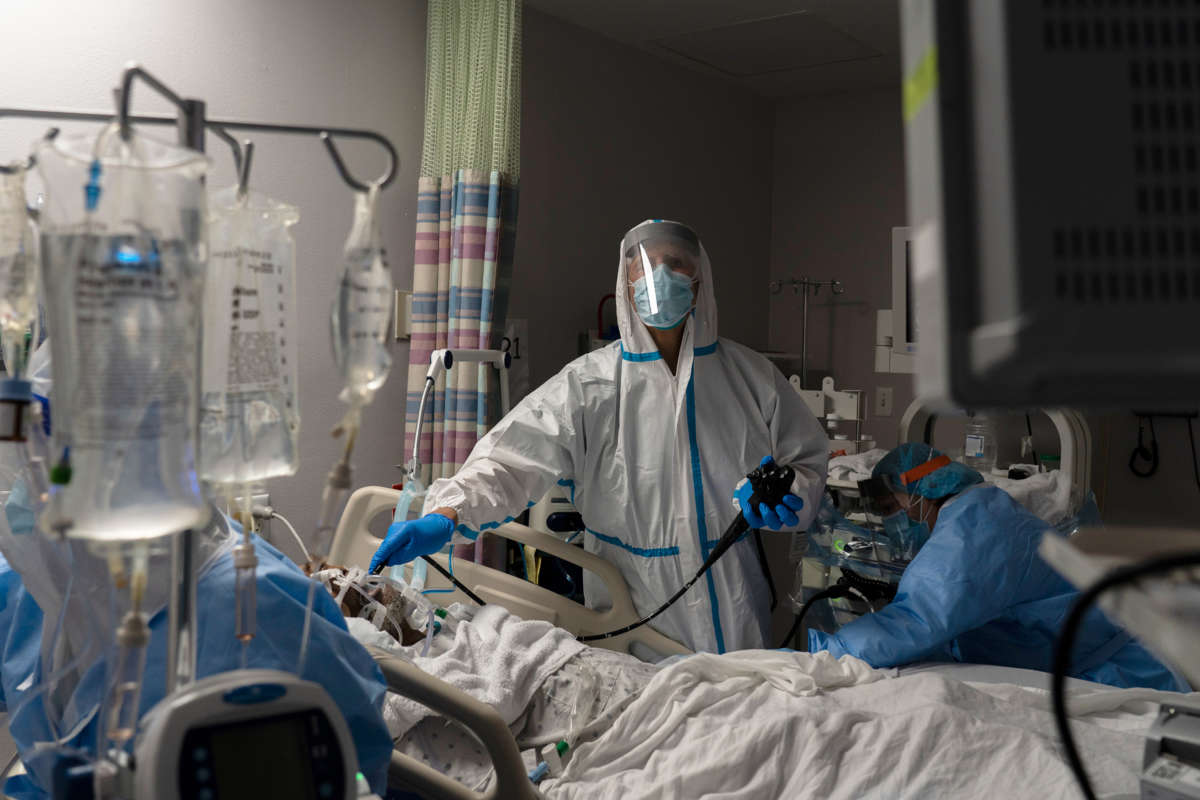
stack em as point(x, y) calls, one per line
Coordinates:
point(354, 544)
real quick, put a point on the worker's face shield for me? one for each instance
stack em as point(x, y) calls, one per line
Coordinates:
point(662, 268)
point(883, 496)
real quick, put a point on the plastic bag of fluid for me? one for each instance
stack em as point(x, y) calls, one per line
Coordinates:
point(123, 253)
point(249, 406)
point(18, 270)
point(362, 308)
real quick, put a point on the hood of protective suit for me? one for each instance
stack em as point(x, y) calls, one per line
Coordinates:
point(701, 325)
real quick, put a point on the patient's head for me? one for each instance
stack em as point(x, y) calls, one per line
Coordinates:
point(374, 599)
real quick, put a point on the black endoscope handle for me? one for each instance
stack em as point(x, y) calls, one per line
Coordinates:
point(770, 483)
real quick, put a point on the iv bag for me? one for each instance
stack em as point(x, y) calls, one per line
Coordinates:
point(362, 308)
point(249, 407)
point(123, 247)
point(18, 270)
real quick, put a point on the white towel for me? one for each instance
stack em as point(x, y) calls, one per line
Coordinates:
point(855, 467)
point(1046, 495)
point(497, 658)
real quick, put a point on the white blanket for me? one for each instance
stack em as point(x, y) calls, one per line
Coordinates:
point(855, 467)
point(749, 725)
point(497, 658)
point(1046, 495)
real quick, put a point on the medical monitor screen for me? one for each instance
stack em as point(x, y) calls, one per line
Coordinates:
point(263, 758)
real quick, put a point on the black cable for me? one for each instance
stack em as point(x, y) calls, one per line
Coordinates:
point(828, 593)
point(1066, 643)
point(1149, 454)
point(769, 482)
point(445, 574)
point(871, 588)
point(731, 535)
point(457, 583)
point(766, 568)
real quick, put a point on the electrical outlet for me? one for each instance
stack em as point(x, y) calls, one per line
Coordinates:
point(883, 401)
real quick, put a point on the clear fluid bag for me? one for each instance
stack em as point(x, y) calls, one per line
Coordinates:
point(249, 408)
point(362, 308)
point(124, 248)
point(18, 270)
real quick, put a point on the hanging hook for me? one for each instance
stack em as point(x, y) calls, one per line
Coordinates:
point(244, 169)
point(236, 148)
point(125, 96)
point(350, 180)
point(31, 160)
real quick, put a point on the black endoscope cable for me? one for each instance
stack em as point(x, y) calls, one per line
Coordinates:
point(829, 593)
point(1066, 643)
point(770, 482)
point(445, 574)
point(851, 584)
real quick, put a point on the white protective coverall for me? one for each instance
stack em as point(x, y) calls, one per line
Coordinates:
point(652, 459)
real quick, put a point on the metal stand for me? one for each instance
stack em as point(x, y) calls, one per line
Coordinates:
point(191, 124)
point(441, 361)
point(802, 286)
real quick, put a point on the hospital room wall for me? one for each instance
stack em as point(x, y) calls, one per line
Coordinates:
point(358, 63)
point(695, 150)
point(838, 191)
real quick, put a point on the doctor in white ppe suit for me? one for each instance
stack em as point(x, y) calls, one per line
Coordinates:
point(651, 434)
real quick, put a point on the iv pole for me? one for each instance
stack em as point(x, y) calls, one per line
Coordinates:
point(191, 124)
point(802, 286)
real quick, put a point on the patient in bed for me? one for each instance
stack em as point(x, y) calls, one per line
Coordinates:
point(546, 685)
point(746, 725)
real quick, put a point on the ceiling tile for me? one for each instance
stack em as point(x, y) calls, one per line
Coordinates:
point(768, 45)
point(866, 74)
point(636, 21)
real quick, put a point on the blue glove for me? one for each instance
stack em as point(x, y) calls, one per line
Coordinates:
point(783, 515)
point(409, 539)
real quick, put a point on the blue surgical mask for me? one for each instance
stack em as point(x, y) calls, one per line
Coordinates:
point(673, 292)
point(905, 537)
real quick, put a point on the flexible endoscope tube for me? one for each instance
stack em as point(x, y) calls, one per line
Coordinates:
point(731, 535)
point(770, 482)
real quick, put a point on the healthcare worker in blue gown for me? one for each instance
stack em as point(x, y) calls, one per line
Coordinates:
point(48, 586)
point(976, 590)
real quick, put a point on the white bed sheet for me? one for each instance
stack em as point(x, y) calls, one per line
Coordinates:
point(730, 727)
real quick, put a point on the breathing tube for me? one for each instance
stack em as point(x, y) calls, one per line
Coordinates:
point(770, 482)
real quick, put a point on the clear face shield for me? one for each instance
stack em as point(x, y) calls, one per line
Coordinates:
point(662, 266)
point(904, 514)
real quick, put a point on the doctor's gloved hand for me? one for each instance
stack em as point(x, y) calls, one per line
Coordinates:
point(409, 539)
point(781, 516)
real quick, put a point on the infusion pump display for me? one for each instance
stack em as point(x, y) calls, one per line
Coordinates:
point(246, 735)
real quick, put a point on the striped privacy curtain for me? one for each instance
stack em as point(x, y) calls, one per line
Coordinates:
point(466, 219)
